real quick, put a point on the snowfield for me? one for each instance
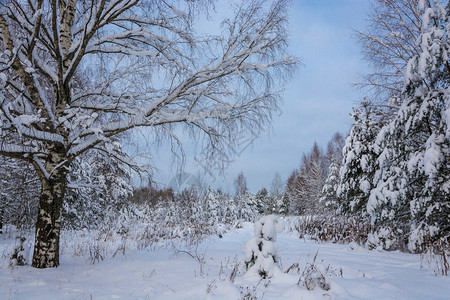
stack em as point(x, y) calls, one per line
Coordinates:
point(215, 270)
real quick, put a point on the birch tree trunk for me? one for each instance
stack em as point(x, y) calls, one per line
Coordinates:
point(74, 77)
point(48, 224)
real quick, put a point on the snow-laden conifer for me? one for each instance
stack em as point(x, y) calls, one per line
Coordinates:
point(247, 207)
point(261, 254)
point(412, 184)
point(359, 160)
point(329, 191)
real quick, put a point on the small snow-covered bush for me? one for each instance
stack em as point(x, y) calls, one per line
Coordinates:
point(20, 253)
point(383, 238)
point(261, 251)
point(315, 275)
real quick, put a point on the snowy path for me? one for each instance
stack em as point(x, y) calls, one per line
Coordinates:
point(161, 274)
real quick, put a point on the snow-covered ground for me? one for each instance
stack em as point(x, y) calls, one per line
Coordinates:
point(204, 272)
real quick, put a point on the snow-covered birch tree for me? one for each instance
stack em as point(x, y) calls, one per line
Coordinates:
point(309, 182)
point(388, 43)
point(76, 74)
point(240, 184)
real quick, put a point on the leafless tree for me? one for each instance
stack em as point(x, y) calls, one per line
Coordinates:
point(240, 184)
point(76, 74)
point(388, 44)
point(304, 186)
point(276, 186)
point(334, 150)
point(289, 192)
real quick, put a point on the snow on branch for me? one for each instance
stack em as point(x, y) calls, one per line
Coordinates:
point(76, 74)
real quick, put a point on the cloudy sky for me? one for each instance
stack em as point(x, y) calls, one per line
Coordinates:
point(317, 102)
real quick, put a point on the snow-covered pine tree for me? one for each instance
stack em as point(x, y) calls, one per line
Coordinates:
point(247, 207)
point(221, 208)
point(413, 185)
point(261, 255)
point(230, 209)
point(191, 202)
point(261, 200)
point(197, 211)
point(359, 160)
point(329, 191)
point(280, 209)
point(212, 201)
point(270, 205)
point(284, 207)
point(114, 178)
point(99, 187)
point(20, 253)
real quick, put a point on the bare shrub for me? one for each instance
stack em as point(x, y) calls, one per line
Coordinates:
point(334, 229)
point(195, 254)
point(97, 252)
point(436, 257)
point(293, 267)
point(315, 275)
point(251, 293)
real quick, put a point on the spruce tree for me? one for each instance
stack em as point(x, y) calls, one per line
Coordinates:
point(329, 191)
point(261, 200)
point(359, 157)
point(412, 188)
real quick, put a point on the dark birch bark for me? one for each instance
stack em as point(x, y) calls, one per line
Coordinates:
point(48, 224)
